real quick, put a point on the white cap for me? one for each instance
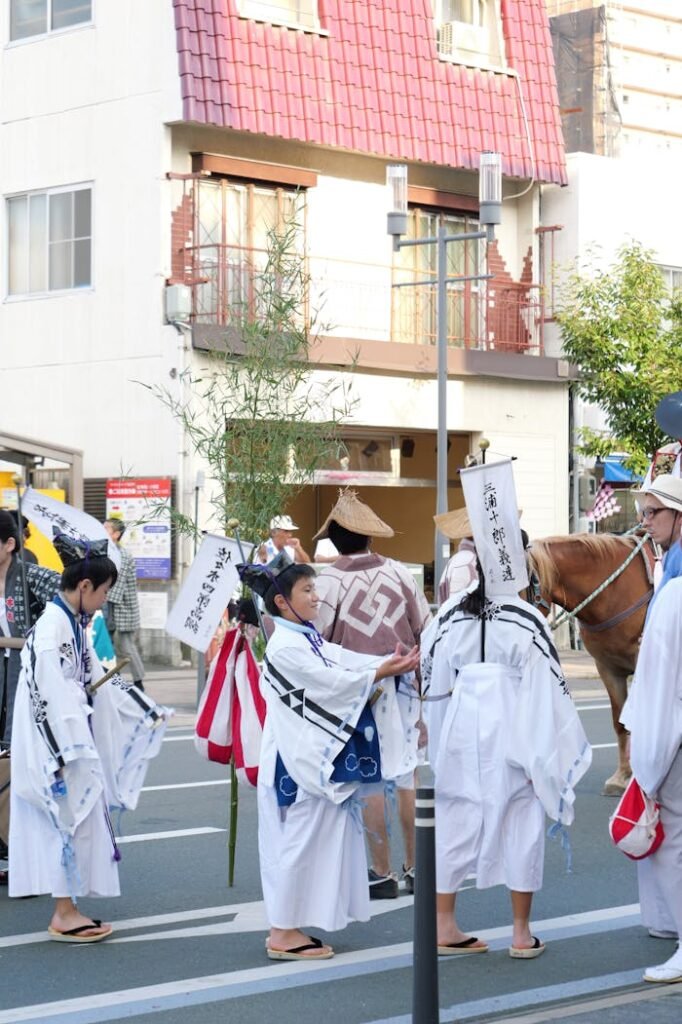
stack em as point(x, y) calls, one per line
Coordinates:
point(283, 523)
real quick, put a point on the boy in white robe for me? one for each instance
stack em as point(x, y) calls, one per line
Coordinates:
point(506, 746)
point(322, 742)
point(653, 716)
point(76, 753)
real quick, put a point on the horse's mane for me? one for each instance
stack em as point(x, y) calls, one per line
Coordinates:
point(597, 545)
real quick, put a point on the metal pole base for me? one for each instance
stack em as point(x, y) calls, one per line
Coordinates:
point(425, 956)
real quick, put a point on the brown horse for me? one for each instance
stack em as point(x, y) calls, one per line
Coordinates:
point(570, 569)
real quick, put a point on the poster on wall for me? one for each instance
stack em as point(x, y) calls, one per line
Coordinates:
point(144, 506)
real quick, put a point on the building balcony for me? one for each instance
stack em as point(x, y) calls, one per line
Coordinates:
point(368, 302)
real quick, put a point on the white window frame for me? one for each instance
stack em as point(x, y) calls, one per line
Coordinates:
point(486, 25)
point(668, 273)
point(22, 40)
point(479, 20)
point(256, 10)
point(48, 292)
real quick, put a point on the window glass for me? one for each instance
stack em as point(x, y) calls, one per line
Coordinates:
point(81, 262)
point(233, 224)
point(38, 236)
point(415, 309)
point(61, 256)
point(49, 241)
point(18, 245)
point(37, 17)
point(672, 277)
point(27, 18)
point(70, 12)
point(61, 216)
point(288, 12)
point(81, 214)
point(463, 10)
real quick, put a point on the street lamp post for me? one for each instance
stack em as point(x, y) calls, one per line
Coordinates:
point(490, 207)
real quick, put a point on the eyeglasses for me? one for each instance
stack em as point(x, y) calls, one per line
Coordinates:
point(651, 513)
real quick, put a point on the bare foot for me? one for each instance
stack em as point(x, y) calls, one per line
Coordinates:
point(283, 939)
point(66, 921)
point(522, 939)
point(449, 933)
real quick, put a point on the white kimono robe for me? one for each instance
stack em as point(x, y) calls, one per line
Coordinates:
point(99, 746)
point(653, 716)
point(505, 743)
point(312, 853)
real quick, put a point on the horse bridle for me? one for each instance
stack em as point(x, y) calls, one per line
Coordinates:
point(535, 590)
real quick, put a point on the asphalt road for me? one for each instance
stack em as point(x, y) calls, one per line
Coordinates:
point(189, 949)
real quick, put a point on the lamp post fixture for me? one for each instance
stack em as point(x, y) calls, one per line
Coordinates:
point(490, 214)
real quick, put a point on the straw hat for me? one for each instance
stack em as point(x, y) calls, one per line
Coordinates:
point(456, 524)
point(354, 515)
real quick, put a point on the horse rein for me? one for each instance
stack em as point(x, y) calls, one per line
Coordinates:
point(539, 601)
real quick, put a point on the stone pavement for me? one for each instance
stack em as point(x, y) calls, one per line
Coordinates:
point(176, 688)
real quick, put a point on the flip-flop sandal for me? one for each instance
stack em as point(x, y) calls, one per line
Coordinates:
point(299, 952)
point(465, 946)
point(76, 934)
point(519, 953)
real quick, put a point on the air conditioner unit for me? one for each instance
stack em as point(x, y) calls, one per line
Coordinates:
point(447, 36)
point(587, 490)
point(178, 303)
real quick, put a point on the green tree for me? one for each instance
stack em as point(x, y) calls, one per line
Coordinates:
point(624, 333)
point(257, 413)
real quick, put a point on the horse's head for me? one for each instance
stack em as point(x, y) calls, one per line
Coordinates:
point(543, 575)
point(567, 569)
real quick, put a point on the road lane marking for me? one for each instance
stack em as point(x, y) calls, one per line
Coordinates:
point(593, 707)
point(180, 833)
point(246, 917)
point(186, 785)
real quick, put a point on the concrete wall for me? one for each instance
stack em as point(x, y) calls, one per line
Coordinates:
point(78, 353)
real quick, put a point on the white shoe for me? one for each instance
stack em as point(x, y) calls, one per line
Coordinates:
point(667, 973)
point(662, 933)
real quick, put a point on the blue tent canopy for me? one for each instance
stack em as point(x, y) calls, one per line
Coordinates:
point(616, 473)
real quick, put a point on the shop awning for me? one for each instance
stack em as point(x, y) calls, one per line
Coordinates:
point(616, 473)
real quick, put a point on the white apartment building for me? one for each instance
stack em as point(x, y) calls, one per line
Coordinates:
point(145, 146)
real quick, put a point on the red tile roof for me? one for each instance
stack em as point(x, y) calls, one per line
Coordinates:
point(374, 84)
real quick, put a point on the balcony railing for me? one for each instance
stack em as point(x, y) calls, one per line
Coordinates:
point(357, 300)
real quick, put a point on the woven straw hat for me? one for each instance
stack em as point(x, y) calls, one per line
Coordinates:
point(354, 515)
point(454, 524)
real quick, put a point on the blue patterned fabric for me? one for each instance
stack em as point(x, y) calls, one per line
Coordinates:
point(360, 759)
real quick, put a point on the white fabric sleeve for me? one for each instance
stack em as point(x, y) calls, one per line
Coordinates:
point(653, 710)
point(547, 740)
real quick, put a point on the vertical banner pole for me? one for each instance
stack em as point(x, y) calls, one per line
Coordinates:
point(22, 565)
point(425, 956)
